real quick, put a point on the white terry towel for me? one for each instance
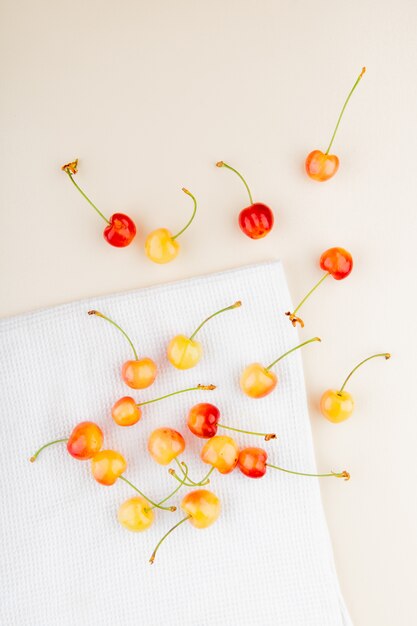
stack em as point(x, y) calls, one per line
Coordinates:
point(66, 560)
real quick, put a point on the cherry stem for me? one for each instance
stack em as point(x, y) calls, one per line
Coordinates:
point(51, 443)
point(228, 308)
point(292, 350)
point(310, 292)
point(384, 354)
point(70, 176)
point(223, 164)
point(182, 482)
point(343, 474)
point(266, 436)
point(192, 216)
point(202, 482)
point(152, 559)
point(98, 314)
point(154, 504)
point(174, 393)
point(344, 107)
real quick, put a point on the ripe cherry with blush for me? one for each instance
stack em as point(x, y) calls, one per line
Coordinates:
point(85, 440)
point(336, 262)
point(257, 219)
point(203, 421)
point(221, 453)
point(321, 166)
point(120, 229)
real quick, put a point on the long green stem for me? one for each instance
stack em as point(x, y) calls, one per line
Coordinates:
point(176, 488)
point(384, 354)
point(98, 314)
point(192, 483)
point(228, 308)
point(292, 350)
point(266, 436)
point(310, 292)
point(70, 176)
point(152, 559)
point(192, 216)
point(344, 107)
point(155, 504)
point(174, 393)
point(46, 445)
point(343, 474)
point(223, 164)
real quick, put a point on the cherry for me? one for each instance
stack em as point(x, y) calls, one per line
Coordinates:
point(320, 165)
point(137, 373)
point(221, 453)
point(256, 220)
point(336, 262)
point(165, 444)
point(203, 421)
point(258, 381)
point(253, 463)
point(161, 246)
point(135, 514)
point(202, 508)
point(107, 466)
point(337, 406)
point(127, 412)
point(120, 229)
point(185, 352)
point(83, 443)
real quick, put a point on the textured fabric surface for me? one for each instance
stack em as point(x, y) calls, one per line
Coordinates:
point(65, 559)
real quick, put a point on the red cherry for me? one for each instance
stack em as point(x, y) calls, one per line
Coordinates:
point(203, 421)
point(257, 220)
point(120, 231)
point(337, 262)
point(252, 462)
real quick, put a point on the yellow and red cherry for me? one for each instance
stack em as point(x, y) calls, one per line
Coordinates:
point(252, 462)
point(321, 166)
point(127, 412)
point(258, 381)
point(185, 352)
point(161, 245)
point(337, 405)
point(120, 229)
point(84, 442)
point(138, 373)
point(337, 263)
point(203, 421)
point(107, 466)
point(165, 445)
point(221, 452)
point(256, 220)
point(135, 514)
point(202, 508)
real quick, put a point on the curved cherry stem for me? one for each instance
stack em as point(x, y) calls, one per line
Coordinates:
point(192, 216)
point(223, 164)
point(384, 354)
point(292, 350)
point(98, 314)
point(266, 436)
point(192, 483)
point(228, 308)
point(152, 559)
point(154, 504)
point(174, 393)
point(176, 488)
point(343, 474)
point(46, 445)
point(344, 107)
point(70, 171)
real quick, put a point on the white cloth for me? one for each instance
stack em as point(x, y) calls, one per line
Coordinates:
point(65, 559)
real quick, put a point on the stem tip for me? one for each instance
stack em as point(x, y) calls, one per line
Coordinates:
point(206, 387)
point(70, 168)
point(363, 71)
point(173, 508)
point(387, 356)
point(152, 559)
point(219, 164)
point(92, 312)
point(32, 459)
point(270, 436)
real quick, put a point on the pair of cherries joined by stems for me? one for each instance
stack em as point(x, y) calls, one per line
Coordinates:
point(321, 166)
point(161, 245)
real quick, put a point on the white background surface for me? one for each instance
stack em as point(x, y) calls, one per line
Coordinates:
point(149, 96)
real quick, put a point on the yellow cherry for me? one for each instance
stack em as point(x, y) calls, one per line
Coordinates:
point(221, 452)
point(258, 381)
point(185, 352)
point(165, 444)
point(135, 514)
point(337, 406)
point(161, 245)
